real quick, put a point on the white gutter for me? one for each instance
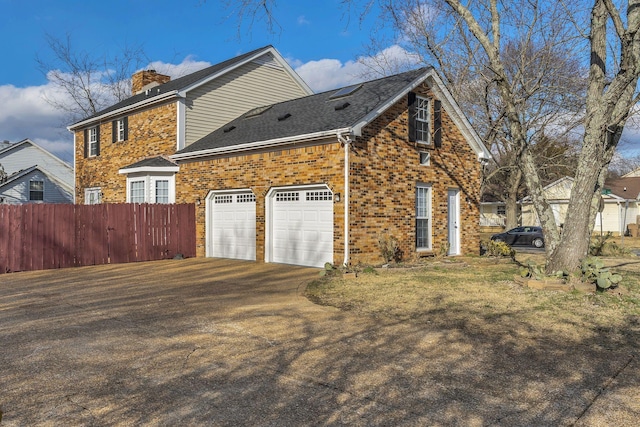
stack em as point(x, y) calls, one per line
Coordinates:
point(346, 142)
point(259, 144)
point(147, 101)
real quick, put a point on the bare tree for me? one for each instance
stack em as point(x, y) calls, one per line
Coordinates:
point(87, 82)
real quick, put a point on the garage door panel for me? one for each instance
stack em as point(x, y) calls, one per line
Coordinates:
point(302, 227)
point(232, 231)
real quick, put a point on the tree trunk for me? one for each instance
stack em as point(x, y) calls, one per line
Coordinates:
point(511, 198)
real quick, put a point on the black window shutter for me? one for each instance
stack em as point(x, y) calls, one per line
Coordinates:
point(114, 131)
point(126, 128)
point(437, 123)
point(97, 140)
point(412, 116)
point(86, 143)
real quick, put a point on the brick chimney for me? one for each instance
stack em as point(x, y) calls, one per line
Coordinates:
point(145, 79)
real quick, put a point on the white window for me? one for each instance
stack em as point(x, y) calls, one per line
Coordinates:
point(147, 188)
point(425, 158)
point(423, 217)
point(162, 191)
point(501, 210)
point(36, 190)
point(93, 141)
point(120, 129)
point(423, 114)
point(92, 196)
point(136, 191)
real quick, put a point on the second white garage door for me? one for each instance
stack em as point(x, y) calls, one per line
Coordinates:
point(301, 229)
point(232, 226)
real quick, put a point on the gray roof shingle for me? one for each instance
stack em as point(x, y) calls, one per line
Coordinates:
point(155, 162)
point(308, 115)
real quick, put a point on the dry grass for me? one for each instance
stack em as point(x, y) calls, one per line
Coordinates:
point(477, 292)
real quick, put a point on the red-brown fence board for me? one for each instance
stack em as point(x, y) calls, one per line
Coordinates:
point(44, 236)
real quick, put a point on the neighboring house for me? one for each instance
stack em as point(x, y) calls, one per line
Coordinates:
point(310, 180)
point(33, 175)
point(164, 116)
point(619, 204)
point(493, 215)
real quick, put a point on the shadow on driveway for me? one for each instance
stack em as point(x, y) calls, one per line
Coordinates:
point(219, 342)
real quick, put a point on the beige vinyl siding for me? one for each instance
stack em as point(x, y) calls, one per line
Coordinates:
point(252, 85)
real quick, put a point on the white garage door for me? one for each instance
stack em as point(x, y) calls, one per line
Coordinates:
point(302, 227)
point(232, 226)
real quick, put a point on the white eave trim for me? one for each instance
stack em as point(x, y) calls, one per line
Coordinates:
point(261, 144)
point(150, 169)
point(148, 101)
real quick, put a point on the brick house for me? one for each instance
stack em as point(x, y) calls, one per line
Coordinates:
point(308, 180)
point(164, 116)
point(322, 177)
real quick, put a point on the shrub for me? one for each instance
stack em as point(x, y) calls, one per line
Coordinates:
point(389, 248)
point(499, 249)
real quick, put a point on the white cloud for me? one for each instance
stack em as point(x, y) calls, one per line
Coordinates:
point(327, 74)
point(302, 20)
point(187, 66)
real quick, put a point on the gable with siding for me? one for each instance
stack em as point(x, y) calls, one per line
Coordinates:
point(260, 82)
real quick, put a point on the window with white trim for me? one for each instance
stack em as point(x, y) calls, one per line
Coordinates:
point(93, 142)
point(423, 217)
point(501, 210)
point(319, 195)
point(151, 188)
point(136, 191)
point(92, 196)
point(36, 190)
point(120, 129)
point(422, 118)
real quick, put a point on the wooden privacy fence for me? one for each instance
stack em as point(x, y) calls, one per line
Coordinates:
point(44, 236)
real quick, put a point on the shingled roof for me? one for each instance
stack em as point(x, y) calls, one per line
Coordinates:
point(324, 115)
point(323, 112)
point(173, 86)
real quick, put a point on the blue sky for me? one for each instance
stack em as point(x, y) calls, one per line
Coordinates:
point(321, 41)
point(318, 38)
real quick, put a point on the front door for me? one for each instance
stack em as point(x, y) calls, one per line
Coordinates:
point(454, 221)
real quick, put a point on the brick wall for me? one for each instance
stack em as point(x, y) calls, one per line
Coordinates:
point(384, 172)
point(152, 132)
point(142, 78)
point(319, 164)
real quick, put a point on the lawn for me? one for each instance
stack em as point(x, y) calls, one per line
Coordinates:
point(480, 293)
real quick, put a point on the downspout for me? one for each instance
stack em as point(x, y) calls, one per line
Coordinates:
point(345, 142)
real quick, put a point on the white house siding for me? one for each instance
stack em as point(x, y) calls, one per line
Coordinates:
point(613, 216)
point(249, 86)
point(25, 155)
point(18, 191)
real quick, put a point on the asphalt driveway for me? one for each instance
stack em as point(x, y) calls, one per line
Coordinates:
point(218, 342)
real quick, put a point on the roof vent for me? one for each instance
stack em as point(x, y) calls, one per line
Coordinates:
point(284, 117)
point(341, 106)
point(345, 91)
point(228, 129)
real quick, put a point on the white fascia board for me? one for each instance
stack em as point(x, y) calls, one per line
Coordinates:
point(149, 169)
point(120, 111)
point(261, 144)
